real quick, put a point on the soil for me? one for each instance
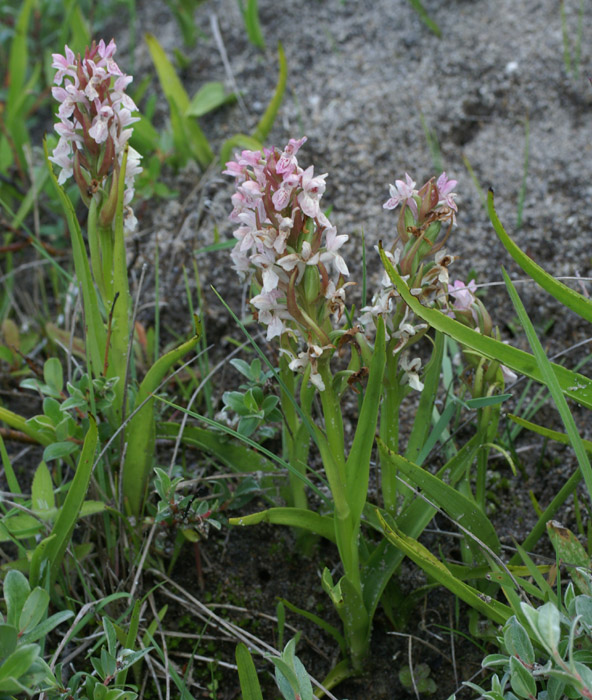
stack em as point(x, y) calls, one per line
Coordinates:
point(367, 83)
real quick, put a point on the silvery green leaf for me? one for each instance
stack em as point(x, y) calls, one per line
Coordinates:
point(495, 660)
point(549, 625)
point(523, 684)
point(583, 605)
point(517, 641)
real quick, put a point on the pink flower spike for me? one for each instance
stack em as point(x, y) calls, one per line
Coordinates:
point(402, 192)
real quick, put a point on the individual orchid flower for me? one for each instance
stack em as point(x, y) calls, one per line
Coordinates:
point(312, 191)
point(287, 162)
point(402, 192)
point(310, 358)
point(464, 294)
point(446, 195)
point(411, 371)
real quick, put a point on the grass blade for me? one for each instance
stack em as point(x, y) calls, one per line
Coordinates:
point(68, 514)
point(247, 674)
point(550, 379)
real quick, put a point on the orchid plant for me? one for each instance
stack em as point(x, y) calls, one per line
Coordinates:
point(290, 254)
point(95, 125)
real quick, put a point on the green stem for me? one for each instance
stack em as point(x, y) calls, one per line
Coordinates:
point(120, 332)
point(389, 433)
point(294, 451)
point(106, 243)
point(94, 244)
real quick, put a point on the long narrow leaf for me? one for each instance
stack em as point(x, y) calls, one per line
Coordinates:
point(69, 512)
point(140, 433)
point(458, 506)
point(423, 415)
point(322, 525)
point(575, 385)
point(568, 297)
point(385, 559)
point(547, 432)
point(95, 330)
point(236, 456)
point(496, 611)
point(357, 467)
point(247, 674)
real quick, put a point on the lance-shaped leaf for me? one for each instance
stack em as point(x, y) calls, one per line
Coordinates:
point(575, 385)
point(141, 432)
point(568, 297)
point(498, 612)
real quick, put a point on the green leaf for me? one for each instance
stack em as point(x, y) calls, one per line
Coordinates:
point(53, 374)
point(209, 97)
point(58, 450)
point(19, 662)
point(566, 296)
point(294, 517)
point(457, 505)
point(423, 416)
point(95, 330)
point(567, 546)
point(43, 498)
point(517, 641)
point(247, 674)
point(357, 467)
point(186, 132)
point(576, 386)
point(171, 85)
point(8, 639)
point(323, 624)
point(551, 379)
point(69, 513)
point(45, 627)
point(547, 432)
point(140, 433)
point(268, 118)
point(523, 684)
point(34, 610)
point(16, 592)
point(236, 456)
point(425, 18)
point(253, 26)
point(496, 611)
point(549, 625)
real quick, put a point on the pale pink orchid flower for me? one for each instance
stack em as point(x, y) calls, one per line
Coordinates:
point(312, 191)
point(464, 294)
point(287, 162)
point(333, 243)
point(402, 193)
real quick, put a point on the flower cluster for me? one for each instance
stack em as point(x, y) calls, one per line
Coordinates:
point(95, 115)
point(419, 257)
point(289, 251)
